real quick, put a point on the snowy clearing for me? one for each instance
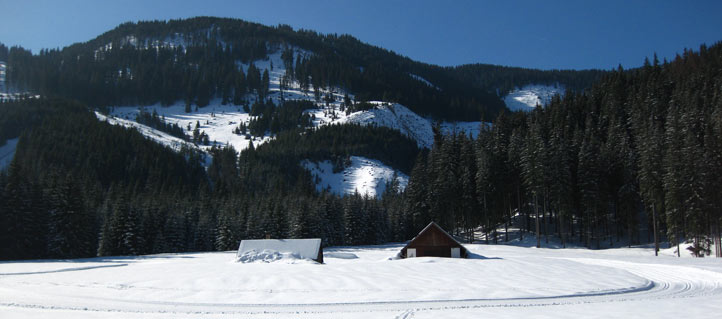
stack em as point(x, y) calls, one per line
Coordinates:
point(367, 176)
point(368, 282)
point(216, 120)
point(528, 97)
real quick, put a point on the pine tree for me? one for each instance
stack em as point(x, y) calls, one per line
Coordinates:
point(71, 233)
point(533, 170)
point(23, 220)
point(674, 177)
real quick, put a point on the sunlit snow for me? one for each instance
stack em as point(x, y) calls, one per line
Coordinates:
point(499, 281)
point(528, 97)
point(362, 175)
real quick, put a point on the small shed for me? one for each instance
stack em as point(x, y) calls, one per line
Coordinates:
point(433, 241)
point(302, 248)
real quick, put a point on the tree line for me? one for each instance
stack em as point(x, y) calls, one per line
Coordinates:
point(637, 158)
point(79, 187)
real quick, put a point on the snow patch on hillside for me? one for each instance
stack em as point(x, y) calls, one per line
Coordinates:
point(528, 97)
point(395, 116)
point(7, 97)
point(7, 152)
point(170, 42)
point(362, 175)
point(217, 120)
point(425, 81)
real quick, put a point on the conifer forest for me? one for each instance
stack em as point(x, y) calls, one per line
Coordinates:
point(623, 157)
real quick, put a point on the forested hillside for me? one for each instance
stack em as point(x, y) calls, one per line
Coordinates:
point(80, 187)
point(634, 157)
point(196, 59)
point(638, 154)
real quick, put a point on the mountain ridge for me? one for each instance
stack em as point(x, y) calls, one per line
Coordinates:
point(367, 71)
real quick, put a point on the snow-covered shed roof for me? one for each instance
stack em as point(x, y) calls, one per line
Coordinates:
point(302, 248)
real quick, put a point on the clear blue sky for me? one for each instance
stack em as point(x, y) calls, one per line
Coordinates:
point(545, 34)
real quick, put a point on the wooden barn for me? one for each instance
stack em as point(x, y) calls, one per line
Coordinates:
point(302, 248)
point(433, 241)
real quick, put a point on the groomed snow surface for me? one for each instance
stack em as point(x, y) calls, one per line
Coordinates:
point(499, 281)
point(362, 175)
point(528, 97)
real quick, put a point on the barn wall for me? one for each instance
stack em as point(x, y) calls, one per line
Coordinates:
point(433, 243)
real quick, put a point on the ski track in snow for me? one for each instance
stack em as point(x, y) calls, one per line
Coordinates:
point(657, 282)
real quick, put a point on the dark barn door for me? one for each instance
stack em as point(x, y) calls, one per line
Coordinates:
point(434, 251)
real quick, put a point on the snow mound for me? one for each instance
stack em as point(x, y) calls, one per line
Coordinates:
point(528, 97)
point(362, 175)
point(267, 256)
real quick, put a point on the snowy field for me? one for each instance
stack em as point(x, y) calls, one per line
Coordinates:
point(500, 281)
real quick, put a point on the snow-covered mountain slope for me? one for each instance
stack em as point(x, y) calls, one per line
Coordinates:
point(499, 281)
point(171, 42)
point(395, 116)
point(362, 175)
point(528, 97)
point(7, 152)
point(218, 121)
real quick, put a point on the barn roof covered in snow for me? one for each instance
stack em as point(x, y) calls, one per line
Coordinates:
point(301, 248)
